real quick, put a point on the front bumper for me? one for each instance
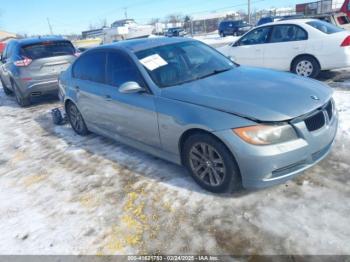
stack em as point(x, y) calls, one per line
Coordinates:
point(263, 166)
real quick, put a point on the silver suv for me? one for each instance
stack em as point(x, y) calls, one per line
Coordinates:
point(30, 67)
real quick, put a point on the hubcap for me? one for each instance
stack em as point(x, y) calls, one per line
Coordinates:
point(75, 118)
point(304, 68)
point(207, 164)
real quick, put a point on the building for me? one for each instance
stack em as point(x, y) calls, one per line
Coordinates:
point(322, 7)
point(4, 36)
point(92, 33)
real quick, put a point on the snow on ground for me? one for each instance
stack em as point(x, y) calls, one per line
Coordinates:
point(215, 40)
point(65, 194)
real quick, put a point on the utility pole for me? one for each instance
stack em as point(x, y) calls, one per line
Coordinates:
point(50, 27)
point(249, 14)
point(126, 12)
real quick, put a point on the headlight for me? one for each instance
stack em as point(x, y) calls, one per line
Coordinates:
point(266, 134)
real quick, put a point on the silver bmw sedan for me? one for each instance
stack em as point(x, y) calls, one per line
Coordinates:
point(183, 101)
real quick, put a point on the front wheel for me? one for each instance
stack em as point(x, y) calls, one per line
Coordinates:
point(211, 164)
point(306, 66)
point(76, 120)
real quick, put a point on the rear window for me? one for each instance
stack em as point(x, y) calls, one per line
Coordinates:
point(343, 20)
point(47, 49)
point(325, 27)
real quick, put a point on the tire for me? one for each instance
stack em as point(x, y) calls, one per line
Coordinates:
point(217, 174)
point(76, 120)
point(306, 66)
point(20, 99)
point(222, 34)
point(7, 91)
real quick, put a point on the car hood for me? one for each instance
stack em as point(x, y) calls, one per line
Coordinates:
point(255, 93)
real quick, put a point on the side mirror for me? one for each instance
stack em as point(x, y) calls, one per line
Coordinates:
point(231, 58)
point(237, 43)
point(130, 87)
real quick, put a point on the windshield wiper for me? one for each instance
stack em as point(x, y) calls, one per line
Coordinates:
point(215, 72)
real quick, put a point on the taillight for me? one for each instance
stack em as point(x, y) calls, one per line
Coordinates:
point(346, 41)
point(24, 62)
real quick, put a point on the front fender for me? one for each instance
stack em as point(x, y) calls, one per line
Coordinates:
point(176, 117)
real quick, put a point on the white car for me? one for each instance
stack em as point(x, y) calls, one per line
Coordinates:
point(302, 46)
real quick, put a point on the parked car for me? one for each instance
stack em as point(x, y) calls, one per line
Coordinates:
point(269, 19)
point(30, 67)
point(338, 19)
point(176, 31)
point(183, 101)
point(233, 27)
point(303, 46)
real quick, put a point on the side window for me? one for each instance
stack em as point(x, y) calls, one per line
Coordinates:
point(287, 33)
point(8, 50)
point(91, 66)
point(256, 37)
point(121, 69)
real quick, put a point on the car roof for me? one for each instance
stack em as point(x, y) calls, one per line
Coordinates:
point(290, 21)
point(136, 45)
point(35, 40)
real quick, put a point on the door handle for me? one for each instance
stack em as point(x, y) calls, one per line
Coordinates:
point(108, 98)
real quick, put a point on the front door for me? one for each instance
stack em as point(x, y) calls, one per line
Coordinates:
point(249, 50)
point(130, 115)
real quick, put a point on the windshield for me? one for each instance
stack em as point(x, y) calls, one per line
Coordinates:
point(325, 27)
point(47, 49)
point(180, 63)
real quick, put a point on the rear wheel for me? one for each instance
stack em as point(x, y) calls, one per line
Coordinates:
point(7, 91)
point(222, 34)
point(21, 100)
point(306, 66)
point(76, 120)
point(211, 164)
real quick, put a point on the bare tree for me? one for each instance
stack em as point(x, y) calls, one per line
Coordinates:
point(103, 23)
point(174, 18)
point(154, 21)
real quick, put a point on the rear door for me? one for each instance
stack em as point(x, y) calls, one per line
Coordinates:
point(49, 58)
point(286, 42)
point(249, 50)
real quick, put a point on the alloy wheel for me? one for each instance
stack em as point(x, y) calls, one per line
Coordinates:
point(207, 164)
point(304, 68)
point(76, 119)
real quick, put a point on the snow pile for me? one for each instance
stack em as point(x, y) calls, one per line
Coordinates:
point(215, 40)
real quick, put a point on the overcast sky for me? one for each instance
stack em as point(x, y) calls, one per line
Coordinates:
point(74, 16)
